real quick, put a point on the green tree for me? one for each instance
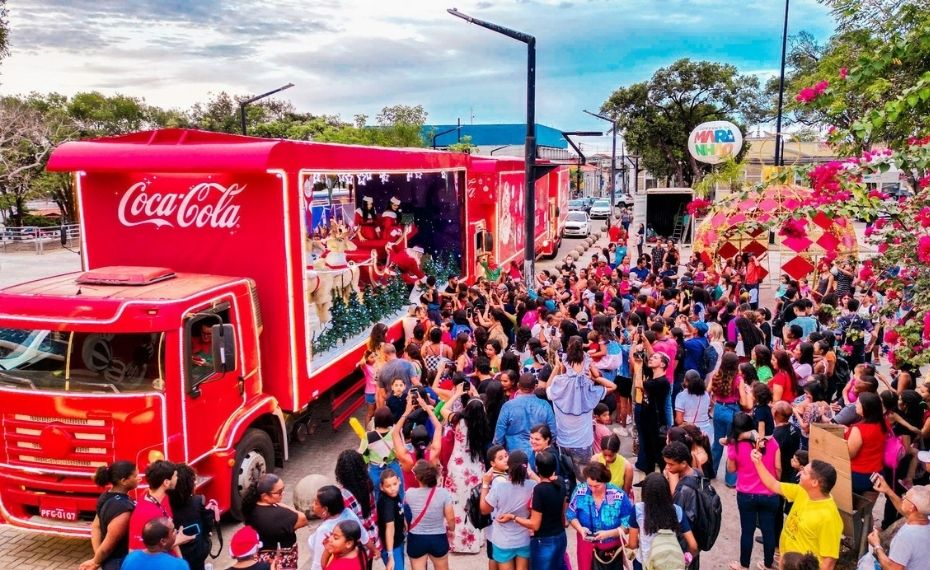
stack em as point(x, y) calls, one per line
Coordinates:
point(4, 30)
point(871, 73)
point(656, 116)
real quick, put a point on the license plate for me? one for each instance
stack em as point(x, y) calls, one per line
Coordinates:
point(58, 509)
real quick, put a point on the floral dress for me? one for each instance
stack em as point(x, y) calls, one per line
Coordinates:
point(462, 475)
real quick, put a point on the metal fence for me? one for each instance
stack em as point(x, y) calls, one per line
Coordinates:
point(39, 239)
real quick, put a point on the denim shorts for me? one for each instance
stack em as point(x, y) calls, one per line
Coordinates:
point(420, 545)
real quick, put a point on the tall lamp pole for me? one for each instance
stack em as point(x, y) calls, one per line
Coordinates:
point(244, 104)
point(779, 150)
point(613, 163)
point(529, 200)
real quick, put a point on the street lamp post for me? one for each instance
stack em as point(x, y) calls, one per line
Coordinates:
point(529, 200)
point(779, 151)
point(244, 104)
point(613, 163)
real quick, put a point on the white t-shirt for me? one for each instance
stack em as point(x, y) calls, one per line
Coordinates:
point(695, 410)
point(911, 545)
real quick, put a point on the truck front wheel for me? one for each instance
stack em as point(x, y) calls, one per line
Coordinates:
point(254, 458)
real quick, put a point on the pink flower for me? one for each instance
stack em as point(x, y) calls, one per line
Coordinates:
point(843, 72)
point(926, 331)
point(806, 95)
point(924, 182)
point(878, 194)
point(847, 348)
point(923, 250)
point(882, 247)
point(923, 216)
point(821, 87)
point(891, 336)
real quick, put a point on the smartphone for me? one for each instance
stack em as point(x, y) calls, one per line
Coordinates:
point(589, 538)
point(874, 477)
point(191, 530)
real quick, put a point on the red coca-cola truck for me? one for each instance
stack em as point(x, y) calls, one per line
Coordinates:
point(189, 333)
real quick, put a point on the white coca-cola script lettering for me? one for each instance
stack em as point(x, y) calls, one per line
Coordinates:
point(206, 204)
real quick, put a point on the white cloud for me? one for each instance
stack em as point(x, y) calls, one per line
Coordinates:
point(355, 56)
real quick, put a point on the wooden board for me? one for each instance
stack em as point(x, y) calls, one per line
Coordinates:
point(827, 444)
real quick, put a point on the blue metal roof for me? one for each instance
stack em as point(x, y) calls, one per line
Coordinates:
point(492, 135)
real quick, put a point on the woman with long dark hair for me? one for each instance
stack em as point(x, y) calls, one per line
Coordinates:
point(725, 387)
point(109, 533)
point(803, 362)
point(188, 509)
point(275, 522)
point(471, 434)
point(784, 384)
point(747, 337)
point(358, 491)
point(757, 505)
point(494, 399)
point(762, 362)
point(461, 353)
point(657, 512)
point(866, 441)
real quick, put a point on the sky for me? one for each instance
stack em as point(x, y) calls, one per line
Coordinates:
point(357, 56)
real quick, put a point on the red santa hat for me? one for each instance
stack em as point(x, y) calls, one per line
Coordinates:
point(368, 199)
point(395, 201)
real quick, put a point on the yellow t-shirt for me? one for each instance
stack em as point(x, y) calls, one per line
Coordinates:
point(812, 526)
point(617, 468)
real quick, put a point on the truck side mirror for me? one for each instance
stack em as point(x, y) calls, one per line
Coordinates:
point(224, 348)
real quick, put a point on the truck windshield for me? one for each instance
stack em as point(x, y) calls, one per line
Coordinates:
point(70, 361)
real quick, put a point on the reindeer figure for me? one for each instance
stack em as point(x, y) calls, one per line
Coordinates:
point(332, 274)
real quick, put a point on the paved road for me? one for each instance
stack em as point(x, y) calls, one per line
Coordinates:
point(25, 551)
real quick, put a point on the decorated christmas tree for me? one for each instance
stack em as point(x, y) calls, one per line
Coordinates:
point(358, 317)
point(339, 319)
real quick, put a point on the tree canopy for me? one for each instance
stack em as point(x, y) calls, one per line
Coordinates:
point(656, 116)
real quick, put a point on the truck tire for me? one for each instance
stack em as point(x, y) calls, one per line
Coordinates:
point(254, 458)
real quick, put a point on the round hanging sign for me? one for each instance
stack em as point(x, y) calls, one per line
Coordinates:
point(714, 142)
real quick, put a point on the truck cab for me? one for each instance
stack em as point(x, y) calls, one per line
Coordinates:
point(133, 363)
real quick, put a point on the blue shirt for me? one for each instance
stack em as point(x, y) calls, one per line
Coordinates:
point(142, 560)
point(615, 511)
point(694, 353)
point(640, 272)
point(518, 417)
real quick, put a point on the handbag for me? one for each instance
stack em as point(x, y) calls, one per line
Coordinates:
point(419, 517)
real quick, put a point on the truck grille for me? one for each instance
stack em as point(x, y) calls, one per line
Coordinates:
point(43, 441)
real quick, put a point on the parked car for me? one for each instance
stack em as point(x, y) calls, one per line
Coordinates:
point(577, 224)
point(600, 209)
point(578, 204)
point(621, 200)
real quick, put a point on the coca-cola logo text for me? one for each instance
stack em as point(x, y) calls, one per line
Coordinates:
point(203, 205)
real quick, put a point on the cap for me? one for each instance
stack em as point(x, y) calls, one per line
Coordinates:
point(395, 201)
point(919, 496)
point(582, 317)
point(700, 327)
point(244, 543)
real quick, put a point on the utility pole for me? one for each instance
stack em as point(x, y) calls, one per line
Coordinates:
point(529, 199)
point(244, 104)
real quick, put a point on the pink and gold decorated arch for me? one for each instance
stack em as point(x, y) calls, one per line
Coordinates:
point(742, 224)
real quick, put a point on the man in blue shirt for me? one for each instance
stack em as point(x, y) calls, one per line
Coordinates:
point(519, 415)
point(158, 535)
point(640, 271)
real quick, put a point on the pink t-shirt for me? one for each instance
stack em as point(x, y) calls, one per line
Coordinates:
point(747, 478)
point(600, 430)
point(669, 348)
point(369, 371)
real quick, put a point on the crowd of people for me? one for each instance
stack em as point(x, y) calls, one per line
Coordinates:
point(497, 422)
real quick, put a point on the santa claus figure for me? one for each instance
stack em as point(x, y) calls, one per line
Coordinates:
point(407, 261)
point(366, 219)
point(390, 221)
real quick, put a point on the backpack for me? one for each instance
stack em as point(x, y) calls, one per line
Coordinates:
point(565, 469)
point(708, 359)
point(473, 509)
point(665, 552)
point(841, 372)
point(709, 513)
